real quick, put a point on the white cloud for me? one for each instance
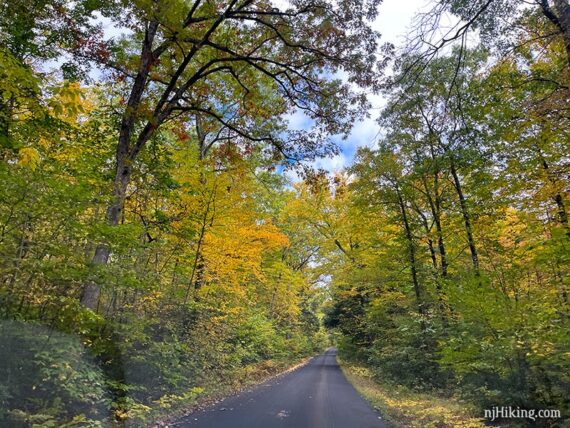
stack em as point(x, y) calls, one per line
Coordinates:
point(299, 120)
point(393, 22)
point(332, 164)
point(395, 18)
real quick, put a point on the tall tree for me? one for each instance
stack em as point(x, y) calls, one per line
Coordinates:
point(240, 64)
point(497, 21)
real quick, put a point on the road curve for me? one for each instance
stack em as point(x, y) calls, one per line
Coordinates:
point(316, 395)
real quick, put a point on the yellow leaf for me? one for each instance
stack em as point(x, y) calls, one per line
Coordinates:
point(29, 157)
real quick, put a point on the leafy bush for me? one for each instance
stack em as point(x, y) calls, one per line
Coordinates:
point(47, 377)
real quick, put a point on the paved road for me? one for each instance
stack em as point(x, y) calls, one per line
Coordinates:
point(314, 396)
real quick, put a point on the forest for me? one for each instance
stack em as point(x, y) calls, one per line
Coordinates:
point(166, 238)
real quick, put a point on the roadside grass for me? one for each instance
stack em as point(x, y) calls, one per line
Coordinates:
point(401, 407)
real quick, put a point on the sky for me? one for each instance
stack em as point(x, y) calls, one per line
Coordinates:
point(393, 22)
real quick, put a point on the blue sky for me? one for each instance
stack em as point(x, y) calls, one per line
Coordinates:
point(394, 20)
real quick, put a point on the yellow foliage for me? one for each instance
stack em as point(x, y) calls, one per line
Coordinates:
point(405, 408)
point(233, 245)
point(29, 157)
point(69, 101)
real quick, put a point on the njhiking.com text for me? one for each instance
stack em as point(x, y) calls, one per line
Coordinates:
point(508, 412)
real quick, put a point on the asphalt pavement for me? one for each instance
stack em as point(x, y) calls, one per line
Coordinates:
point(316, 395)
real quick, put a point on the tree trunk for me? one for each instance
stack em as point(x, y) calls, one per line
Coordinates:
point(197, 276)
point(411, 253)
point(5, 119)
point(92, 290)
point(125, 156)
point(558, 199)
point(563, 10)
point(435, 207)
point(432, 254)
point(443, 308)
point(466, 218)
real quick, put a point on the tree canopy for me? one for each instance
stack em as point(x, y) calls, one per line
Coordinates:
point(153, 251)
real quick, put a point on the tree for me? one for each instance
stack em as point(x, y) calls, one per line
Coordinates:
point(33, 32)
point(487, 18)
point(242, 65)
point(434, 118)
point(458, 171)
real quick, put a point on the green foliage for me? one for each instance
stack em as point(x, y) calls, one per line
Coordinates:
point(456, 277)
point(47, 374)
point(160, 338)
point(440, 258)
point(405, 407)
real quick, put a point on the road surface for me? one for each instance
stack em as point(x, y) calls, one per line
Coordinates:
point(316, 395)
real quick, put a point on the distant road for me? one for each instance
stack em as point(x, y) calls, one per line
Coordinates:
point(316, 395)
